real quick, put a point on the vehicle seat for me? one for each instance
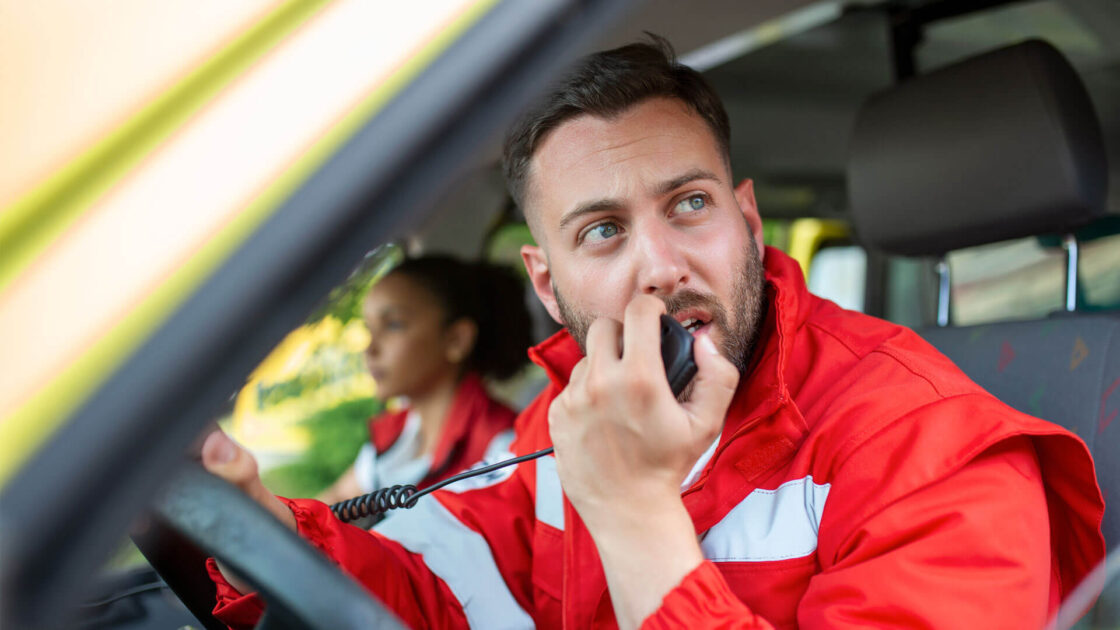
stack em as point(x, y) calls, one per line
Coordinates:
point(1000, 146)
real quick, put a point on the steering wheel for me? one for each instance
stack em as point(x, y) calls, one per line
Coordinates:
point(199, 515)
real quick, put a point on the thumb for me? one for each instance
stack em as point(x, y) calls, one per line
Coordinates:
point(226, 459)
point(712, 388)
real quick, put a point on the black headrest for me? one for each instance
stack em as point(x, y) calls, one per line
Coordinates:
point(999, 146)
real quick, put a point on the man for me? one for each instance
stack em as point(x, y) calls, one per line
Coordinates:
point(825, 469)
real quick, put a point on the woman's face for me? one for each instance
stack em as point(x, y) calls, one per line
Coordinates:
point(407, 352)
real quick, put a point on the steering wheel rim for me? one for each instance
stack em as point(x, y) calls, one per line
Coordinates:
point(300, 587)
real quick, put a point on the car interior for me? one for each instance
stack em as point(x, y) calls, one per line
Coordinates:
point(949, 165)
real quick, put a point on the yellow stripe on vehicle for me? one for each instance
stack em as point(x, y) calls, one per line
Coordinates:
point(41, 413)
point(34, 221)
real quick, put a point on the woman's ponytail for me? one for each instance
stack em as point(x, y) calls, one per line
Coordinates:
point(505, 329)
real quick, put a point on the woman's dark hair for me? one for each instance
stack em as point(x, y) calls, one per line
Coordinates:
point(491, 296)
point(605, 84)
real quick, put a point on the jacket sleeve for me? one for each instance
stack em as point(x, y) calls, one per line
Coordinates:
point(971, 550)
point(703, 600)
point(457, 558)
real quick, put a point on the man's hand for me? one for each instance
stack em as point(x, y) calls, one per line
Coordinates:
point(624, 445)
point(226, 459)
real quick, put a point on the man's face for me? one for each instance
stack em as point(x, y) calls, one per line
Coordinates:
point(643, 203)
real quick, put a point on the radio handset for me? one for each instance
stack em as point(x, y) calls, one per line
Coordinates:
point(676, 354)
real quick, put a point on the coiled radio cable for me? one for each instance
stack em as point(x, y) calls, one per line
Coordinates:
point(380, 501)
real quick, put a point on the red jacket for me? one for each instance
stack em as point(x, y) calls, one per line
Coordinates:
point(860, 481)
point(473, 422)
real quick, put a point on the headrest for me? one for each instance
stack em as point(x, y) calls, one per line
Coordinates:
point(999, 146)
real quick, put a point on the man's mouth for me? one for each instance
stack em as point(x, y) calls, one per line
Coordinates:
point(692, 323)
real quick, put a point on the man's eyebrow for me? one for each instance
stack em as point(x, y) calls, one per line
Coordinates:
point(669, 186)
point(591, 207)
point(664, 188)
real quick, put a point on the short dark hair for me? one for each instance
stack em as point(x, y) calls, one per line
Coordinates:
point(605, 84)
point(492, 296)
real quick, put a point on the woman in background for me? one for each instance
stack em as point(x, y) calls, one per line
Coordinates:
point(438, 326)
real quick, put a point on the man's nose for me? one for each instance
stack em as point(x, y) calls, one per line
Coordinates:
point(661, 264)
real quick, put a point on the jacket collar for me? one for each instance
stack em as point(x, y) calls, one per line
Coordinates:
point(468, 404)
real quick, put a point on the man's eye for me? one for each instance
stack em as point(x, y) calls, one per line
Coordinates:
point(601, 232)
point(691, 204)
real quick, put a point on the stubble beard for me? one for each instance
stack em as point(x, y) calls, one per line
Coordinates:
point(736, 326)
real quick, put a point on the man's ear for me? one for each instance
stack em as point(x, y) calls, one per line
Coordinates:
point(536, 265)
point(744, 195)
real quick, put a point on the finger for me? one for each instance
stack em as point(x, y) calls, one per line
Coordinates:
point(225, 458)
point(713, 387)
point(557, 408)
point(556, 414)
point(579, 372)
point(603, 342)
point(641, 330)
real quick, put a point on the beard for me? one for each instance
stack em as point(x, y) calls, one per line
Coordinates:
point(735, 325)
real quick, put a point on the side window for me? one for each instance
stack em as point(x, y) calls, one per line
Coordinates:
point(1025, 279)
point(839, 273)
point(304, 409)
point(1003, 281)
point(1100, 272)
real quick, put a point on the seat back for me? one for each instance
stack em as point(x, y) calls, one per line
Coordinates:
point(1064, 369)
point(1000, 146)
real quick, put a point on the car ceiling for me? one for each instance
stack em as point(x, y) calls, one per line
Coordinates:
point(792, 103)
